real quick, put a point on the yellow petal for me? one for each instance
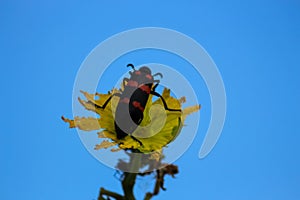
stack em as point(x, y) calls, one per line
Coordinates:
point(104, 145)
point(190, 110)
point(83, 123)
point(115, 149)
point(129, 143)
point(108, 134)
point(164, 129)
point(71, 122)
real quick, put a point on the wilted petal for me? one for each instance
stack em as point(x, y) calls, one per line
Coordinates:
point(83, 123)
point(104, 145)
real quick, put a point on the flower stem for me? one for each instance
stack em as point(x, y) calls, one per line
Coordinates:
point(129, 178)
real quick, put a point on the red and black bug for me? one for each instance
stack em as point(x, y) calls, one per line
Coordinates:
point(133, 100)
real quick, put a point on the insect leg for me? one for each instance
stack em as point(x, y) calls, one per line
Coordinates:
point(157, 82)
point(164, 102)
point(134, 138)
point(106, 102)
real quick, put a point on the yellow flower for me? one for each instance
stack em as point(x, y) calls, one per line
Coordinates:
point(158, 128)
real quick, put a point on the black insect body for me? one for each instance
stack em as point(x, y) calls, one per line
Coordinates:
point(133, 100)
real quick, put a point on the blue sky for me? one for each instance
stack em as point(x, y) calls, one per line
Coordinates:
point(255, 45)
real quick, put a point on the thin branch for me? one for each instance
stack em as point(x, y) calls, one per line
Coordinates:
point(129, 179)
point(160, 178)
point(109, 194)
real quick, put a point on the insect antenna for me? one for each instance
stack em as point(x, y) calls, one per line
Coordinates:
point(132, 66)
point(158, 74)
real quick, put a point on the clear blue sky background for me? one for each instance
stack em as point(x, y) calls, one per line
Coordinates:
point(255, 44)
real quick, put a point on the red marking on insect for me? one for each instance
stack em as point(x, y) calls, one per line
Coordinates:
point(132, 83)
point(148, 76)
point(138, 105)
point(137, 72)
point(145, 88)
point(125, 100)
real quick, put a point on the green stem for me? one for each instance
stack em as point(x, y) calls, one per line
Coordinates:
point(128, 184)
point(148, 196)
point(129, 178)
